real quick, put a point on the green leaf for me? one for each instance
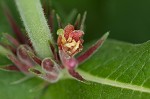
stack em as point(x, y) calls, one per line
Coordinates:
point(118, 70)
point(4, 61)
point(29, 89)
point(36, 26)
point(4, 51)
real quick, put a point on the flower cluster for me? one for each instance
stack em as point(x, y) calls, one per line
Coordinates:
point(51, 69)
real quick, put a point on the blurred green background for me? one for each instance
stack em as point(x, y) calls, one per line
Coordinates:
point(127, 20)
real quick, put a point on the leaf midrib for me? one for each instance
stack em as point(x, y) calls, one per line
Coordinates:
point(106, 81)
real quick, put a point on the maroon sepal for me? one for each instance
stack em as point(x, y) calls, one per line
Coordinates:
point(22, 67)
point(51, 20)
point(12, 40)
point(54, 51)
point(9, 68)
point(14, 26)
point(59, 21)
point(35, 58)
point(35, 71)
point(83, 57)
point(77, 22)
point(76, 75)
point(70, 63)
point(83, 21)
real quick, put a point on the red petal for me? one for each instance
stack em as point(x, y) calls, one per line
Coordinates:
point(68, 29)
point(77, 34)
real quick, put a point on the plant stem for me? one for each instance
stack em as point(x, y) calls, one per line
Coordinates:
point(36, 26)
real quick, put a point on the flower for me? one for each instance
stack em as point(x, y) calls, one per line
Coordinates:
point(51, 69)
point(69, 40)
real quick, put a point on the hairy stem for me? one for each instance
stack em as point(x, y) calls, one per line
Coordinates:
point(36, 26)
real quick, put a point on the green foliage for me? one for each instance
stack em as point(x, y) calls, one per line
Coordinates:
point(117, 70)
point(36, 26)
point(30, 89)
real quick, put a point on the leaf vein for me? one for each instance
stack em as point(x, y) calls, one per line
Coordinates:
point(113, 83)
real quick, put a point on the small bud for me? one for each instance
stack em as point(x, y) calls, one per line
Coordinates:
point(22, 53)
point(51, 69)
point(67, 61)
point(22, 67)
point(60, 32)
point(36, 59)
